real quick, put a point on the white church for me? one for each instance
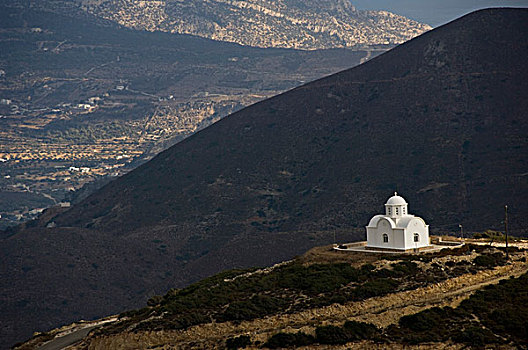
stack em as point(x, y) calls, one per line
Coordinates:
point(397, 230)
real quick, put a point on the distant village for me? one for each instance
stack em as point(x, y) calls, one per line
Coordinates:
point(41, 165)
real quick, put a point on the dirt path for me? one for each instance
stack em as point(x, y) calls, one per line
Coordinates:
point(381, 311)
point(62, 342)
point(66, 336)
point(366, 58)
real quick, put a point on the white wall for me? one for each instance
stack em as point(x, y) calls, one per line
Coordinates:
point(416, 226)
point(399, 238)
point(375, 236)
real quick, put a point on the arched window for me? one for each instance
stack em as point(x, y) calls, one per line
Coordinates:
point(385, 238)
point(390, 211)
point(416, 237)
point(397, 211)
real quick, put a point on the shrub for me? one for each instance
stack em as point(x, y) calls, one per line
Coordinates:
point(499, 310)
point(511, 319)
point(423, 321)
point(375, 288)
point(285, 340)
point(502, 308)
point(361, 330)
point(404, 268)
point(475, 335)
point(317, 278)
point(155, 300)
point(331, 335)
point(485, 261)
point(238, 342)
point(336, 299)
point(187, 319)
point(136, 313)
point(500, 259)
point(258, 306)
point(367, 268)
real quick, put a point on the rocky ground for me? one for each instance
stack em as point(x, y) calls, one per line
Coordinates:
point(303, 24)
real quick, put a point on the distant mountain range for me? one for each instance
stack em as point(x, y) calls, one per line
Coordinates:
point(441, 119)
point(300, 24)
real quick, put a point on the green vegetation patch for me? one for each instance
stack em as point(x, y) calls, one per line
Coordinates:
point(240, 295)
point(288, 340)
point(496, 314)
point(361, 330)
point(318, 278)
point(255, 307)
point(375, 288)
point(238, 342)
point(489, 260)
point(349, 332)
point(332, 335)
point(491, 315)
point(494, 236)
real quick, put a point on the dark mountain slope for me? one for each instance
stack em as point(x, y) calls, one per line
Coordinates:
point(171, 85)
point(441, 119)
point(445, 111)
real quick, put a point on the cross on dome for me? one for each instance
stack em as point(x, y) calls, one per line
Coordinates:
point(396, 200)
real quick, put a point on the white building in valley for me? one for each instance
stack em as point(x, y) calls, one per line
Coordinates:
point(397, 229)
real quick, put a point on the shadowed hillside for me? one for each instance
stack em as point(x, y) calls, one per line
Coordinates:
point(440, 119)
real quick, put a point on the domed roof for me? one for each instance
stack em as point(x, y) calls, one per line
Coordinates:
point(396, 200)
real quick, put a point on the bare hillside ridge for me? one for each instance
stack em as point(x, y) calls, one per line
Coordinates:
point(296, 24)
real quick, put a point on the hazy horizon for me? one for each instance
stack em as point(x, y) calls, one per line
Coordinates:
point(434, 12)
